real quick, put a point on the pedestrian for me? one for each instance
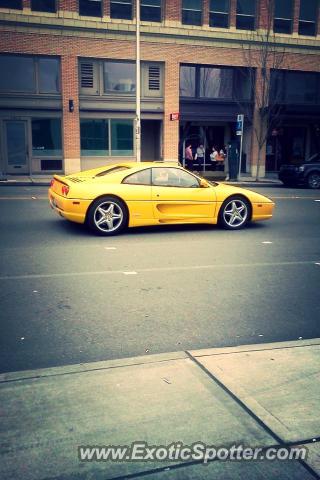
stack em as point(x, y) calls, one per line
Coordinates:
point(200, 155)
point(188, 157)
point(220, 159)
point(213, 157)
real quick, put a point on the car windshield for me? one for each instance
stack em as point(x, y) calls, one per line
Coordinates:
point(314, 158)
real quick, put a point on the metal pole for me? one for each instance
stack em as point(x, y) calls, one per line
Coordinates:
point(240, 154)
point(138, 83)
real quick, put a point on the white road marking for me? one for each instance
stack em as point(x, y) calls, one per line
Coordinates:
point(267, 242)
point(110, 248)
point(183, 268)
point(317, 200)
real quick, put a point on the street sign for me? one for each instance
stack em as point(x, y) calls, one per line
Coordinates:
point(174, 116)
point(239, 129)
point(239, 132)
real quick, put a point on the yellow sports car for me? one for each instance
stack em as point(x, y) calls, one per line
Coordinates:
point(111, 198)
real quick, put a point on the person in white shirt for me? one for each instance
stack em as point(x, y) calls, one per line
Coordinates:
point(200, 155)
point(213, 157)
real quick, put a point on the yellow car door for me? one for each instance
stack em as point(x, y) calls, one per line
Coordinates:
point(178, 197)
point(136, 190)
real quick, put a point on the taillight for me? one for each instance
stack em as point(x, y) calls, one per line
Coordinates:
point(52, 183)
point(65, 190)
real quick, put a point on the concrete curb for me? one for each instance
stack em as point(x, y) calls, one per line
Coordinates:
point(148, 359)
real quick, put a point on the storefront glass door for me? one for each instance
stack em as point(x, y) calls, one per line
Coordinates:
point(16, 148)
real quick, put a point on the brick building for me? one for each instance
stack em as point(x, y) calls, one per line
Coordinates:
point(67, 82)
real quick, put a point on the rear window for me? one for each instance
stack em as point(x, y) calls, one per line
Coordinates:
point(112, 170)
point(142, 177)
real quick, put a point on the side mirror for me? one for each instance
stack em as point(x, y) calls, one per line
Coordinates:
point(204, 183)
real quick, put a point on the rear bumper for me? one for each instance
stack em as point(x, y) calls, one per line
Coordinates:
point(70, 208)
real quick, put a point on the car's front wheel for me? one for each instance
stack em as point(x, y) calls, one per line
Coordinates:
point(314, 180)
point(234, 213)
point(107, 216)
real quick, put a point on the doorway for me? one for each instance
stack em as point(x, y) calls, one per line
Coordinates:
point(16, 147)
point(150, 140)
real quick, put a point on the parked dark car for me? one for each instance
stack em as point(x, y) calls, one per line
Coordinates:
point(307, 173)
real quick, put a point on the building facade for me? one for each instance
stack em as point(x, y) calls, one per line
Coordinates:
point(67, 82)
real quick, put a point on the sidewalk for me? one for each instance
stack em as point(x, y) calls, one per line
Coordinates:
point(255, 395)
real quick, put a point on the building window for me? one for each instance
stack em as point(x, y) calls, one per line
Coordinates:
point(150, 10)
point(121, 9)
point(283, 12)
point(246, 12)
point(301, 88)
point(17, 74)
point(121, 137)
point(46, 137)
point(219, 13)
point(119, 77)
point(293, 88)
point(90, 8)
point(243, 83)
point(216, 82)
point(48, 72)
point(26, 74)
point(105, 137)
point(187, 81)
point(14, 4)
point(192, 12)
point(43, 5)
point(94, 135)
point(308, 17)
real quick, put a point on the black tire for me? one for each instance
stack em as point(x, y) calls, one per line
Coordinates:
point(235, 213)
point(107, 216)
point(313, 180)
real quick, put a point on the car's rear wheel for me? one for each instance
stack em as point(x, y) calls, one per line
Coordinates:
point(314, 180)
point(234, 213)
point(107, 216)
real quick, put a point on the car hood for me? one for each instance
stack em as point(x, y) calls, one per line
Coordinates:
point(223, 189)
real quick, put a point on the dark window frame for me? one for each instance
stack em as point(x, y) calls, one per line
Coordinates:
point(54, 10)
point(109, 148)
point(88, 15)
point(240, 16)
point(192, 10)
point(144, 4)
point(36, 74)
point(283, 75)
point(233, 98)
point(121, 2)
point(284, 19)
point(303, 22)
point(45, 156)
point(12, 7)
point(226, 14)
point(115, 92)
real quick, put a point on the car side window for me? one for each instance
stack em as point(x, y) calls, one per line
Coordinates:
point(142, 177)
point(173, 177)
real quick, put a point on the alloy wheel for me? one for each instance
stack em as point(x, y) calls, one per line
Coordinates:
point(235, 213)
point(108, 217)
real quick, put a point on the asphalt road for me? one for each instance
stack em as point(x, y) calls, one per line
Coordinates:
point(67, 296)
